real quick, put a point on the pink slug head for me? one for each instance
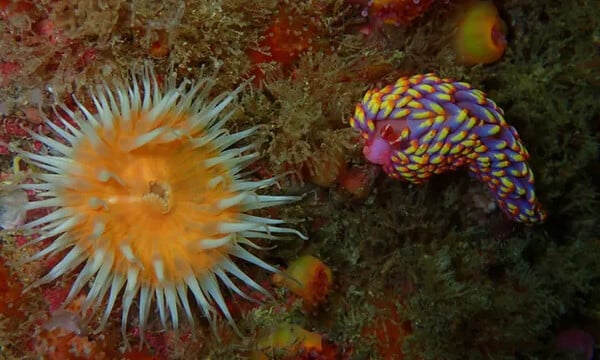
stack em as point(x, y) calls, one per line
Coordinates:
point(377, 150)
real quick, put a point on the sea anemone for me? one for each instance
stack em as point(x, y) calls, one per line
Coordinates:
point(147, 200)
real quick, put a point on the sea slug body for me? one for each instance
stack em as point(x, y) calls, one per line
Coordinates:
point(424, 125)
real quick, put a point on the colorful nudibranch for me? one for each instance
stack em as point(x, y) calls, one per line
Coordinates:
point(424, 125)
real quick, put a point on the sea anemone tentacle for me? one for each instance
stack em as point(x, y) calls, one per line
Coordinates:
point(148, 201)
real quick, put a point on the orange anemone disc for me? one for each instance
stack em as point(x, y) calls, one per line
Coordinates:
point(147, 201)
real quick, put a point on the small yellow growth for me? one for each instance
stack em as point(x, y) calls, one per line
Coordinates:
point(287, 340)
point(307, 277)
point(480, 38)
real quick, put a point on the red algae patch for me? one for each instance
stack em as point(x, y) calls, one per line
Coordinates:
point(10, 293)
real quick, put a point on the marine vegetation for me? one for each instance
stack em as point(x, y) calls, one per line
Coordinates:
point(389, 270)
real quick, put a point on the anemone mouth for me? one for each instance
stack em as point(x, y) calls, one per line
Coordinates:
point(158, 197)
point(148, 203)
